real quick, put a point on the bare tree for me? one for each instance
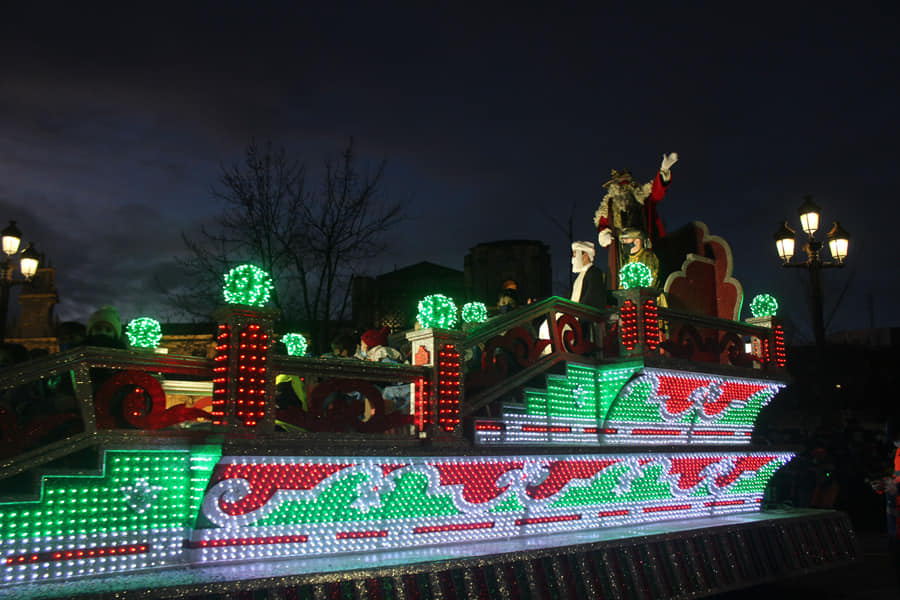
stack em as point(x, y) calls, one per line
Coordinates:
point(312, 242)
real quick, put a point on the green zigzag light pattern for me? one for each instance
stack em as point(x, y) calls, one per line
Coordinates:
point(136, 490)
point(583, 392)
point(587, 392)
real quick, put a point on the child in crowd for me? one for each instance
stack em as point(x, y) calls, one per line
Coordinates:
point(343, 346)
point(373, 346)
point(104, 329)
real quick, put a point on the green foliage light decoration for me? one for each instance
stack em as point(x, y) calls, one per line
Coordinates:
point(144, 332)
point(249, 285)
point(474, 312)
point(635, 275)
point(764, 305)
point(296, 344)
point(437, 310)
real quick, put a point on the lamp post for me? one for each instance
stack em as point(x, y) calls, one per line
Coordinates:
point(11, 238)
point(838, 244)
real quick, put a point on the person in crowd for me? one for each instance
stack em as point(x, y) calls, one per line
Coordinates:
point(104, 329)
point(373, 346)
point(343, 346)
point(508, 300)
point(888, 486)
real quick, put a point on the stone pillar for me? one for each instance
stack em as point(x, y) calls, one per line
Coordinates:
point(437, 404)
point(243, 387)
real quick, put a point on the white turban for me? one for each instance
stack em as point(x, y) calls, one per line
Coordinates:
point(587, 247)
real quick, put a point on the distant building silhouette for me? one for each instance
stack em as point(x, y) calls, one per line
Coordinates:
point(391, 299)
point(36, 325)
point(526, 262)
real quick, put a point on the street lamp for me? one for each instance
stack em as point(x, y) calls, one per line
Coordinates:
point(10, 239)
point(838, 244)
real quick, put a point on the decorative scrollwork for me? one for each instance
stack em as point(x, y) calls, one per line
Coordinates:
point(685, 342)
point(517, 344)
point(689, 343)
point(341, 405)
point(136, 399)
point(572, 336)
point(734, 345)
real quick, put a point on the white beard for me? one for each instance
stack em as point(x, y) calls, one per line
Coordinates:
point(578, 266)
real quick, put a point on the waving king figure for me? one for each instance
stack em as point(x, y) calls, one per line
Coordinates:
point(630, 206)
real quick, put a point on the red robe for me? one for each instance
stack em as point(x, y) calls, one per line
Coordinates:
point(652, 224)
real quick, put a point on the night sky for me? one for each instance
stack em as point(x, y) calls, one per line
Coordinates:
point(114, 124)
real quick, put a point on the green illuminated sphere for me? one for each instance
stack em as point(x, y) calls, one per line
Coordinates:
point(635, 275)
point(248, 285)
point(437, 310)
point(764, 305)
point(296, 344)
point(144, 332)
point(474, 312)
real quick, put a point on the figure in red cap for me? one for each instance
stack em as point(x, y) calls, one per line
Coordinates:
point(373, 345)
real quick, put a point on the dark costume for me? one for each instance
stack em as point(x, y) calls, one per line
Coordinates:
point(593, 288)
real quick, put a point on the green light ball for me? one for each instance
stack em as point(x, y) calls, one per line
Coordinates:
point(437, 310)
point(764, 305)
point(144, 332)
point(248, 285)
point(474, 312)
point(635, 275)
point(296, 344)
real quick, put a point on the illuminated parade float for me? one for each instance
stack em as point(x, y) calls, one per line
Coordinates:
point(613, 458)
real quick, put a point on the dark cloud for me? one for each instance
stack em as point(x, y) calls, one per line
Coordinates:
point(115, 123)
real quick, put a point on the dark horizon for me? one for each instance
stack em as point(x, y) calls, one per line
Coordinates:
point(115, 125)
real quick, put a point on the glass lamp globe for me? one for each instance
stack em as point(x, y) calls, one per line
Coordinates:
point(809, 216)
point(838, 242)
point(784, 242)
point(12, 237)
point(29, 261)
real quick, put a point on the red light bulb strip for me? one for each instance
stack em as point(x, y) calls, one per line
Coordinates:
point(651, 324)
point(780, 354)
point(250, 400)
point(448, 377)
point(629, 324)
point(220, 374)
